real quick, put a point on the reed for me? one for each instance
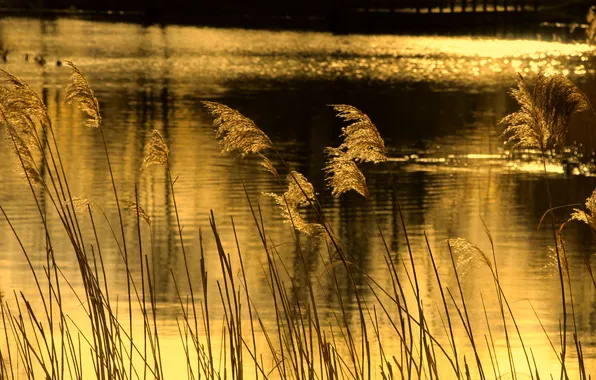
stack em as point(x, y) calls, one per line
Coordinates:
point(337, 338)
point(542, 123)
point(591, 29)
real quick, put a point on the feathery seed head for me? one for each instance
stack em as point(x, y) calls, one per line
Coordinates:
point(81, 204)
point(362, 143)
point(26, 163)
point(291, 214)
point(156, 150)
point(80, 91)
point(297, 195)
point(591, 29)
point(138, 210)
point(553, 264)
point(236, 132)
point(25, 127)
point(342, 174)
point(21, 125)
point(18, 100)
point(265, 163)
point(300, 191)
point(589, 215)
point(21, 141)
point(467, 255)
point(543, 119)
point(362, 140)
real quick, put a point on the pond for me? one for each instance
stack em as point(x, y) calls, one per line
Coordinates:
point(437, 102)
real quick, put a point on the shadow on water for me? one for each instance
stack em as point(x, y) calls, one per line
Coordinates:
point(408, 115)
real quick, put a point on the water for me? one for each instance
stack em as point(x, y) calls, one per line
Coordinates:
point(435, 100)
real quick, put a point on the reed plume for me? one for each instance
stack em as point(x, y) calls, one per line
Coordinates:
point(552, 264)
point(24, 126)
point(156, 150)
point(22, 140)
point(342, 174)
point(467, 255)
point(589, 215)
point(20, 107)
point(21, 101)
point(543, 119)
point(236, 132)
point(542, 123)
point(268, 166)
point(591, 29)
point(362, 140)
point(26, 163)
point(80, 91)
point(82, 204)
point(300, 193)
point(138, 210)
point(362, 143)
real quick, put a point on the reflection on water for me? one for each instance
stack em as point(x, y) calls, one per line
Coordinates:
point(436, 100)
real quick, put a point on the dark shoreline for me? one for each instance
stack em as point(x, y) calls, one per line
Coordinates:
point(519, 24)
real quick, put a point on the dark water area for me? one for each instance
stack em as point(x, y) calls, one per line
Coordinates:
point(437, 102)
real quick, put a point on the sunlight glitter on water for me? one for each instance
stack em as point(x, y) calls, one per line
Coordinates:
point(236, 54)
point(433, 58)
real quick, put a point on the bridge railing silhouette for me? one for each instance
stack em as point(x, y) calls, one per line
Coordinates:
point(447, 6)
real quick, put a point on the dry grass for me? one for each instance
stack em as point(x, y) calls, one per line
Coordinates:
point(588, 216)
point(299, 194)
point(362, 141)
point(21, 103)
point(345, 341)
point(138, 211)
point(542, 123)
point(543, 120)
point(467, 255)
point(235, 131)
point(591, 29)
point(156, 150)
point(343, 174)
point(81, 93)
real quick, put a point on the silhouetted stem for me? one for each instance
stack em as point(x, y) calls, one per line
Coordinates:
point(105, 146)
point(550, 206)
